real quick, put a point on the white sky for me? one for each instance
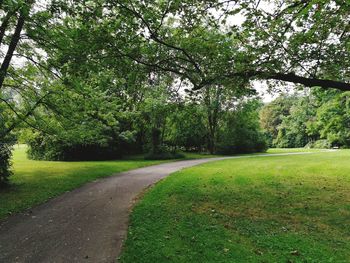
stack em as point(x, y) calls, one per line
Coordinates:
point(262, 89)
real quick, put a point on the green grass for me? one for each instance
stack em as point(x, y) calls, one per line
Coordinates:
point(264, 209)
point(34, 182)
point(291, 150)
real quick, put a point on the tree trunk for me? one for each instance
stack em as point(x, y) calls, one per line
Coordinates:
point(5, 23)
point(13, 44)
point(156, 134)
point(213, 107)
point(211, 144)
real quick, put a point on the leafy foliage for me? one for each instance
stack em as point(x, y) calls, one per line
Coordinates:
point(6, 142)
point(272, 114)
point(187, 127)
point(240, 132)
point(5, 163)
point(318, 120)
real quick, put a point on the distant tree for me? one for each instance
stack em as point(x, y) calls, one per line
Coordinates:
point(333, 120)
point(187, 127)
point(293, 130)
point(155, 111)
point(317, 119)
point(240, 130)
point(273, 113)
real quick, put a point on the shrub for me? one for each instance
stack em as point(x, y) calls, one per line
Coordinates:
point(164, 156)
point(5, 161)
point(319, 144)
point(163, 153)
point(244, 145)
point(44, 147)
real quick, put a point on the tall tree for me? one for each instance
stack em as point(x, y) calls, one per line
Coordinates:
point(21, 13)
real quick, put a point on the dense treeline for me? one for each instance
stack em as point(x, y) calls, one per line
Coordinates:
point(318, 119)
point(161, 122)
point(98, 79)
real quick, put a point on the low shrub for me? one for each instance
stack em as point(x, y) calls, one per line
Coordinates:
point(245, 143)
point(163, 153)
point(51, 148)
point(163, 156)
point(319, 144)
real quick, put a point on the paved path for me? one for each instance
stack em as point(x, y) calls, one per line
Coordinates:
point(87, 224)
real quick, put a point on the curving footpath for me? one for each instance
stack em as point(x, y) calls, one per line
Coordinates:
point(87, 224)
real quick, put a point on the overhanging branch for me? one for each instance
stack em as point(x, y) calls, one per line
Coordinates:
point(311, 82)
point(288, 77)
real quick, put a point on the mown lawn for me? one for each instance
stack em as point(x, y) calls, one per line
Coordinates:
point(264, 209)
point(292, 150)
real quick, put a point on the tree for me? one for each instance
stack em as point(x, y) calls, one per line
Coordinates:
point(94, 122)
point(187, 127)
point(269, 42)
point(317, 119)
point(155, 111)
point(18, 11)
point(333, 120)
point(6, 142)
point(273, 113)
point(240, 130)
point(293, 131)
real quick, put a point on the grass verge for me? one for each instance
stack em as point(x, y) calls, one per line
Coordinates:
point(264, 209)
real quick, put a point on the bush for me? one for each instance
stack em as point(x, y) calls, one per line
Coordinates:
point(164, 156)
point(51, 148)
point(319, 144)
point(245, 145)
point(163, 153)
point(5, 161)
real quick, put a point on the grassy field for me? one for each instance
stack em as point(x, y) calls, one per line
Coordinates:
point(294, 150)
point(263, 209)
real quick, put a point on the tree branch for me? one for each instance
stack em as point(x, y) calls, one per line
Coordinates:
point(24, 117)
point(5, 23)
point(11, 49)
point(311, 82)
point(288, 77)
